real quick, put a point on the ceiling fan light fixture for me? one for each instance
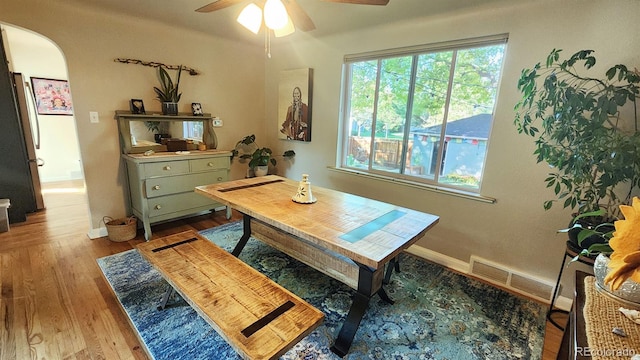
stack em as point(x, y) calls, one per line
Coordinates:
point(275, 14)
point(251, 18)
point(286, 30)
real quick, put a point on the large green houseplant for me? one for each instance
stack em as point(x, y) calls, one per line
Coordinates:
point(586, 128)
point(168, 93)
point(259, 157)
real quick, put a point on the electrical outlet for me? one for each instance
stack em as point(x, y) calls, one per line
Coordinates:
point(93, 117)
point(217, 122)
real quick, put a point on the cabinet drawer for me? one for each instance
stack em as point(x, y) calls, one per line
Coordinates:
point(177, 202)
point(166, 168)
point(183, 183)
point(209, 164)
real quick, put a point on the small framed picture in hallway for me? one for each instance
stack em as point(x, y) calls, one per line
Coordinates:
point(52, 97)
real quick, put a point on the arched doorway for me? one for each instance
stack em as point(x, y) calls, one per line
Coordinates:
point(52, 138)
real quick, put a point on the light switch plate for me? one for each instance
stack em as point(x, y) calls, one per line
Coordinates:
point(93, 117)
point(217, 122)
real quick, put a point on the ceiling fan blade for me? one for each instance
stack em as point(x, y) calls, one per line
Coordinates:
point(300, 19)
point(217, 5)
point(361, 2)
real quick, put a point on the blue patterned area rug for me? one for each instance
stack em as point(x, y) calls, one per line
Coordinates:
point(437, 314)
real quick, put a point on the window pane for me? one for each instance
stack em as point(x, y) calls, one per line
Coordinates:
point(429, 99)
point(391, 113)
point(473, 96)
point(424, 115)
point(360, 114)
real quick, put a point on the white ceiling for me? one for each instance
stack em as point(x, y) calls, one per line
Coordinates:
point(329, 18)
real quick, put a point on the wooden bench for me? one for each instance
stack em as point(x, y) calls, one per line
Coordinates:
point(257, 317)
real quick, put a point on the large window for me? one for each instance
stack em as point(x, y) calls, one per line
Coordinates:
point(422, 114)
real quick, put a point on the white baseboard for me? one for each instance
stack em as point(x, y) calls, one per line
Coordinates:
point(460, 266)
point(438, 258)
point(97, 233)
point(563, 303)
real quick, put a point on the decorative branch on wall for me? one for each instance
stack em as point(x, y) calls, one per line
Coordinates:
point(191, 71)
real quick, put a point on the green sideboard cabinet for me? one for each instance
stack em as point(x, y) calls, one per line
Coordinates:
point(161, 183)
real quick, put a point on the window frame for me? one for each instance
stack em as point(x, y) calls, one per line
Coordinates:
point(414, 52)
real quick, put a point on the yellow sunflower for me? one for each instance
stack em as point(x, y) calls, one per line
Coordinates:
point(625, 259)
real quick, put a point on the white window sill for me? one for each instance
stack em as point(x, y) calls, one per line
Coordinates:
point(417, 185)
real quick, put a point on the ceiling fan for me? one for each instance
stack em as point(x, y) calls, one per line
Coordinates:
point(299, 17)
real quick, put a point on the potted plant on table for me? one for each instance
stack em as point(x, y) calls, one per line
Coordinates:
point(586, 129)
point(168, 92)
point(259, 157)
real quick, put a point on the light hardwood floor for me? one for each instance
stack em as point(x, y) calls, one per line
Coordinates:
point(54, 302)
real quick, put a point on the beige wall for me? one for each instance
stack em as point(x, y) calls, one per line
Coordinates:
point(515, 231)
point(231, 85)
point(241, 85)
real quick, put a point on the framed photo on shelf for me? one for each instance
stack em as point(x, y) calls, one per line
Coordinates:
point(196, 109)
point(137, 106)
point(52, 96)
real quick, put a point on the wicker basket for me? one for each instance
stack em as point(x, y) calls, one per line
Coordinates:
point(121, 229)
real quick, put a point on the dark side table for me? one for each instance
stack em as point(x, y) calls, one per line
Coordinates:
point(571, 252)
point(589, 332)
point(575, 336)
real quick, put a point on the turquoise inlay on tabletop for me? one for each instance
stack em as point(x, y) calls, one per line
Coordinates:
point(372, 226)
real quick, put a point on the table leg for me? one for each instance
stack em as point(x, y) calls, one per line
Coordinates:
point(246, 234)
point(383, 295)
point(351, 324)
point(165, 297)
point(394, 264)
point(366, 286)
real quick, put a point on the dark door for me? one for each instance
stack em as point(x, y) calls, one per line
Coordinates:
point(15, 175)
point(31, 140)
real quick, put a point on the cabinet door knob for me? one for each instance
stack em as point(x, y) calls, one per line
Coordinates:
point(219, 178)
point(157, 207)
point(210, 164)
point(156, 187)
point(167, 167)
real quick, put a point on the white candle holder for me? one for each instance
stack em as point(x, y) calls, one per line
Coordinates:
point(304, 195)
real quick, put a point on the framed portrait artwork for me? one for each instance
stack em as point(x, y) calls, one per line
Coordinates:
point(137, 106)
point(294, 104)
point(52, 97)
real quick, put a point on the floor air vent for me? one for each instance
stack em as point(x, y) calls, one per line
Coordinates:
point(489, 272)
point(512, 280)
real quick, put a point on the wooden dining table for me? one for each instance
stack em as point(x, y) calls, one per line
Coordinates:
point(348, 237)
